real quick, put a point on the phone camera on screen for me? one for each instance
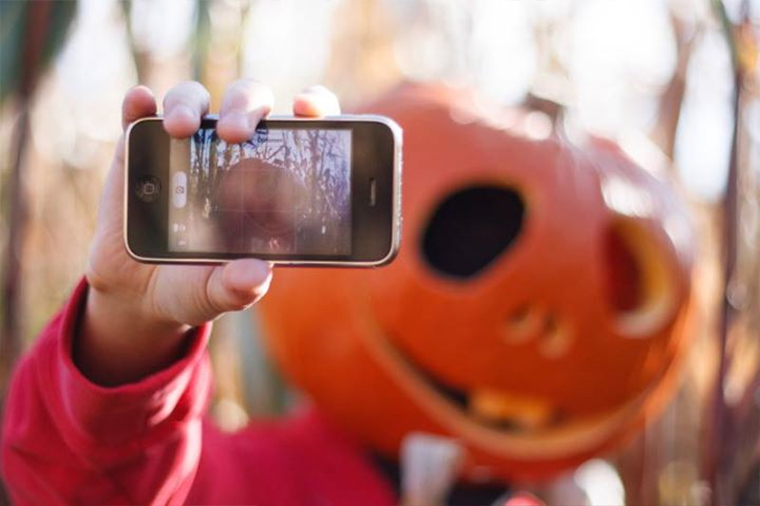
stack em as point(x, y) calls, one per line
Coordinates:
point(148, 188)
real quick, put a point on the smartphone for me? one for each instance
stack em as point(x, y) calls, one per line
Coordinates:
point(300, 191)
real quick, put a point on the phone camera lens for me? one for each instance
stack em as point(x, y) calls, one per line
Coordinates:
point(148, 188)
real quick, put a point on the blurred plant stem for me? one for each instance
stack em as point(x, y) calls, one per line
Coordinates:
point(141, 58)
point(672, 100)
point(201, 39)
point(198, 45)
point(10, 346)
point(721, 443)
point(33, 33)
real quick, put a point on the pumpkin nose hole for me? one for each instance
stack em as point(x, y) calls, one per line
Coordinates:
point(472, 227)
point(556, 338)
point(522, 324)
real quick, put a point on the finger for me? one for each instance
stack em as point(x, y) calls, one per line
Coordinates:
point(238, 284)
point(245, 103)
point(111, 207)
point(139, 102)
point(184, 106)
point(316, 101)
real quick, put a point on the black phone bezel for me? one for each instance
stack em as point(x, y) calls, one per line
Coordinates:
point(373, 223)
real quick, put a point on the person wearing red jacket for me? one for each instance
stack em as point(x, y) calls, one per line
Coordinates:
point(108, 407)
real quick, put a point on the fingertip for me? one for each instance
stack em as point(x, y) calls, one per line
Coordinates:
point(184, 106)
point(140, 90)
point(305, 106)
point(316, 101)
point(233, 130)
point(182, 121)
point(138, 102)
point(245, 103)
point(240, 126)
point(247, 278)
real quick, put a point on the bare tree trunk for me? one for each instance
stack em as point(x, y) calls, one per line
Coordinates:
point(671, 101)
point(38, 20)
point(722, 439)
point(10, 335)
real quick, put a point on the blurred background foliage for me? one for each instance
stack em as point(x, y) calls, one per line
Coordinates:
point(675, 82)
point(32, 35)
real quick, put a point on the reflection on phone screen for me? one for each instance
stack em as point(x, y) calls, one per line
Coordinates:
point(285, 191)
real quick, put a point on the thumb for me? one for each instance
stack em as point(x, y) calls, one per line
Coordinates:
point(237, 285)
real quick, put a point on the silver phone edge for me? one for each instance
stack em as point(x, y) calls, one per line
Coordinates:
point(396, 226)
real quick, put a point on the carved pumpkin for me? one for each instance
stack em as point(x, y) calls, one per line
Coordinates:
point(536, 308)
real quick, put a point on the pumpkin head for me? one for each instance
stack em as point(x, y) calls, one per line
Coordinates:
point(535, 310)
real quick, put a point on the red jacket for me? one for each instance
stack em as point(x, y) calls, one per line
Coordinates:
point(69, 441)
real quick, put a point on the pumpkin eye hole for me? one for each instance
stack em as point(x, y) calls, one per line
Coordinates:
point(640, 285)
point(472, 227)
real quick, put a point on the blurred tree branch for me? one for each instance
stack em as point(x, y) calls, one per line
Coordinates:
point(671, 101)
point(31, 34)
point(198, 47)
point(722, 443)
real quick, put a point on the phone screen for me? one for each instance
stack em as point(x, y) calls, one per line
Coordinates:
point(284, 191)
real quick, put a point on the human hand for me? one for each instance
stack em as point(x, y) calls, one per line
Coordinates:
point(137, 314)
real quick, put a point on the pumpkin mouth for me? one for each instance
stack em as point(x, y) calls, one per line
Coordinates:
point(492, 408)
point(498, 422)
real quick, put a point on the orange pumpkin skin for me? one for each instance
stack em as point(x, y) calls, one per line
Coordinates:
point(562, 346)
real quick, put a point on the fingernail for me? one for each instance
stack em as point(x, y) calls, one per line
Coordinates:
point(238, 120)
point(246, 275)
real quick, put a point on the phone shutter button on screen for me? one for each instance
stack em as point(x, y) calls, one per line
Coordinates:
point(179, 189)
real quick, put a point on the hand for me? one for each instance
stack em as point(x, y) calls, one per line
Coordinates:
point(137, 314)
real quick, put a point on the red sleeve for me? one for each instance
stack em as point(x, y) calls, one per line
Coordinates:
point(69, 441)
point(302, 460)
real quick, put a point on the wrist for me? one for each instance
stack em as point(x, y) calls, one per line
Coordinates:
point(119, 341)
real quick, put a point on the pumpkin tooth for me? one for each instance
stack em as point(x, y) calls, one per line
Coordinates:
point(500, 408)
